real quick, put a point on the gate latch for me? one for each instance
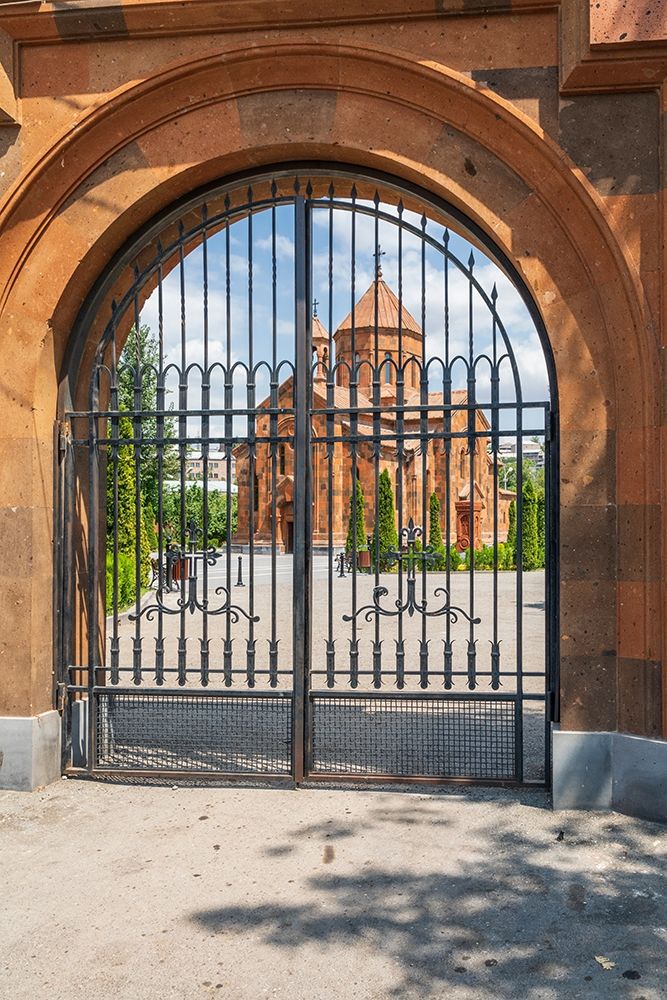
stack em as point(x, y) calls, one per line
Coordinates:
point(64, 436)
point(61, 696)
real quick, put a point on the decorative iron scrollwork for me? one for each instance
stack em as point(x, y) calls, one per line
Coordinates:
point(190, 559)
point(410, 556)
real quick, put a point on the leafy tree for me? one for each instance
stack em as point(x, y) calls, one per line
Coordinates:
point(356, 530)
point(435, 541)
point(385, 536)
point(529, 547)
point(541, 528)
point(194, 508)
point(142, 353)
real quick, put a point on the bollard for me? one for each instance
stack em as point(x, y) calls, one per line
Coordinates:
point(341, 564)
point(239, 579)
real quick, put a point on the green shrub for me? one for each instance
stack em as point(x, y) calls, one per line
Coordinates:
point(149, 521)
point(126, 596)
point(482, 558)
point(356, 498)
point(510, 544)
point(385, 536)
point(436, 544)
point(530, 557)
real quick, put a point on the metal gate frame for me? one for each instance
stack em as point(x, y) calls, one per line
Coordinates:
point(72, 695)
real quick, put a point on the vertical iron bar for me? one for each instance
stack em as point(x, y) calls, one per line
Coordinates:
point(115, 428)
point(377, 444)
point(472, 449)
point(400, 452)
point(330, 454)
point(229, 432)
point(518, 729)
point(353, 402)
point(448, 651)
point(182, 455)
point(495, 419)
point(137, 434)
point(252, 458)
point(424, 448)
point(273, 433)
point(93, 542)
point(205, 433)
point(160, 403)
point(302, 486)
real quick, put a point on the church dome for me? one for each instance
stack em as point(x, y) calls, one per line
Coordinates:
point(390, 316)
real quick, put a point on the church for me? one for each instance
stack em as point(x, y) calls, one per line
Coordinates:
point(379, 325)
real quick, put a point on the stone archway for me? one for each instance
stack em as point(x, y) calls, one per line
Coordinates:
point(152, 143)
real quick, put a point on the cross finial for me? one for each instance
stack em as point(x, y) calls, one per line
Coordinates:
point(379, 254)
point(315, 305)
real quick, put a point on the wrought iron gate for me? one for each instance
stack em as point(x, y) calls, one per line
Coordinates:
point(307, 511)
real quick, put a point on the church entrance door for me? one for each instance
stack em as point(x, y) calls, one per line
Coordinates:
point(362, 356)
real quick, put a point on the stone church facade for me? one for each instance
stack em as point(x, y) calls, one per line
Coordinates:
point(380, 323)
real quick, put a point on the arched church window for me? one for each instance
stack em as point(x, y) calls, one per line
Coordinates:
point(462, 464)
point(387, 369)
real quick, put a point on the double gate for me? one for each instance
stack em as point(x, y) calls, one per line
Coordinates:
point(307, 511)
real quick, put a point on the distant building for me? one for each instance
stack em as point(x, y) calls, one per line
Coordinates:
point(416, 474)
point(532, 450)
point(217, 467)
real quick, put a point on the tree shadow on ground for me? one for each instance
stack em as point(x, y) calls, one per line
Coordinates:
point(510, 912)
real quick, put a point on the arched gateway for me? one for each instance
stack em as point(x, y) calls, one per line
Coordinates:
point(309, 494)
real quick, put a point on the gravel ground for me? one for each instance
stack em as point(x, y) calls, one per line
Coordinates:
point(138, 892)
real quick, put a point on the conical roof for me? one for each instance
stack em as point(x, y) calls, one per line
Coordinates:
point(387, 311)
point(319, 332)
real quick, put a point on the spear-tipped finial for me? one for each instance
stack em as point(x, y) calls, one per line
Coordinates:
point(379, 254)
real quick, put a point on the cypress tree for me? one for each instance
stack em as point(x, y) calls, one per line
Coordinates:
point(386, 536)
point(510, 544)
point(356, 500)
point(530, 553)
point(435, 533)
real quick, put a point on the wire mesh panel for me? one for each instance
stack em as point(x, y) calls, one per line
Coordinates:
point(402, 736)
point(179, 732)
point(309, 451)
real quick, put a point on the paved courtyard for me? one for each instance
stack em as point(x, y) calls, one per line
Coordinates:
point(146, 893)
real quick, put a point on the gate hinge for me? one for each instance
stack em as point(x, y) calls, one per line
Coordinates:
point(61, 696)
point(64, 435)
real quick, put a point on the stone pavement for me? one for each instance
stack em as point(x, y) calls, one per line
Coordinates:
point(152, 892)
